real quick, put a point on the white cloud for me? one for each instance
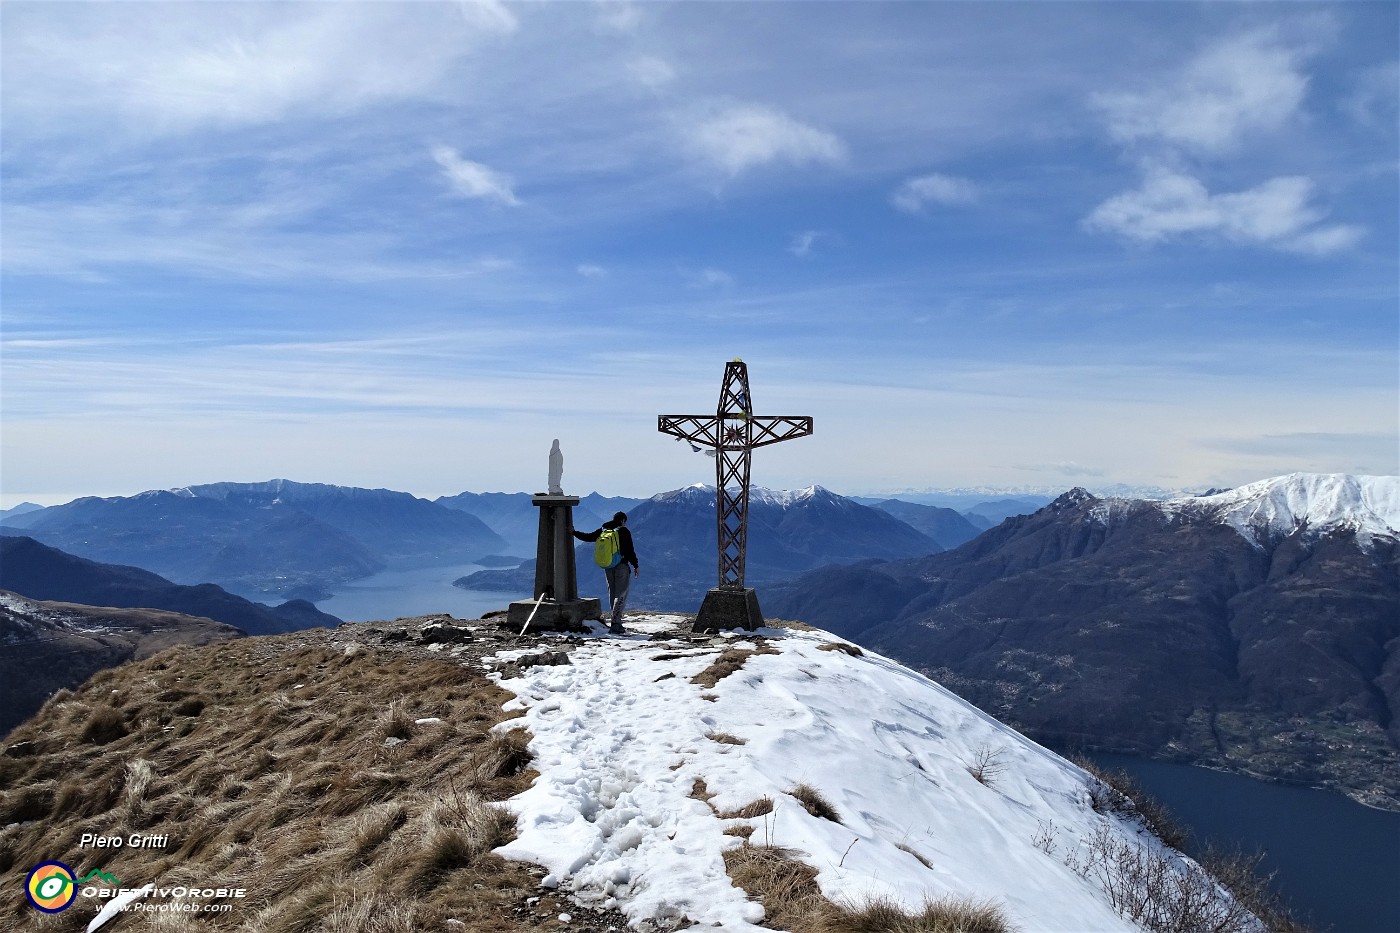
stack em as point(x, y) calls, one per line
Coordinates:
point(618, 16)
point(651, 71)
point(489, 14)
point(474, 180)
point(590, 271)
point(914, 194)
point(750, 135)
point(711, 278)
point(801, 244)
point(174, 68)
point(1249, 83)
point(1276, 213)
point(1375, 99)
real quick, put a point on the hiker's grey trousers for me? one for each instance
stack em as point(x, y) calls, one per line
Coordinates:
point(619, 582)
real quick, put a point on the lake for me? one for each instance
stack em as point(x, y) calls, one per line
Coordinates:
point(423, 591)
point(1336, 862)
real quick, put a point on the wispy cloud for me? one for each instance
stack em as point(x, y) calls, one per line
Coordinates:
point(162, 69)
point(742, 137)
point(618, 16)
point(710, 278)
point(1248, 83)
point(591, 271)
point(95, 240)
point(916, 193)
point(651, 71)
point(1276, 214)
point(474, 180)
point(801, 244)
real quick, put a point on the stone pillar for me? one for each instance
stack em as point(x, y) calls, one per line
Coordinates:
point(729, 607)
point(556, 573)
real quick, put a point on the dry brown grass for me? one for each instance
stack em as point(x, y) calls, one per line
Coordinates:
point(788, 890)
point(852, 650)
point(725, 738)
point(760, 807)
point(814, 803)
point(266, 764)
point(729, 661)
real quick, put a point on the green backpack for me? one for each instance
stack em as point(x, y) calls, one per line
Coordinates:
point(606, 552)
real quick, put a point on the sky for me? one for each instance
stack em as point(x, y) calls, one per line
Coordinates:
point(992, 244)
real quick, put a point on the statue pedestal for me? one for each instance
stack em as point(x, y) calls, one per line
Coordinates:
point(728, 607)
point(567, 616)
point(556, 575)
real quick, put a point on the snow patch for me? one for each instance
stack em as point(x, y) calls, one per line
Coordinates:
point(621, 737)
point(1318, 502)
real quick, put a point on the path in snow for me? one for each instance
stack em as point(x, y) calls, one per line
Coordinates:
point(621, 735)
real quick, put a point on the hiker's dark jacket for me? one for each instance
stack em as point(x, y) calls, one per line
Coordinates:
point(624, 542)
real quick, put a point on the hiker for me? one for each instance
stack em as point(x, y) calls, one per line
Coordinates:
point(614, 554)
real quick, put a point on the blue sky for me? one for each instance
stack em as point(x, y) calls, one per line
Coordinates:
point(983, 244)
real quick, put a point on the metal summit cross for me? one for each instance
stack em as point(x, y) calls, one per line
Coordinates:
point(733, 432)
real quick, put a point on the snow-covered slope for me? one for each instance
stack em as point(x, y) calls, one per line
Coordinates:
point(1368, 505)
point(622, 736)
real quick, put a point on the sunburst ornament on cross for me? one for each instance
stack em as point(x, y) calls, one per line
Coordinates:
point(731, 434)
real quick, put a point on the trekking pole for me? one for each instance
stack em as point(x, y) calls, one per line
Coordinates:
point(532, 615)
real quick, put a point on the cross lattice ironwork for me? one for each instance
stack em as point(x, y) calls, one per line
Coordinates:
point(733, 432)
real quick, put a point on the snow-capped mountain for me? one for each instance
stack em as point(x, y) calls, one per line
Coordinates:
point(789, 531)
point(1256, 629)
point(1318, 502)
point(649, 773)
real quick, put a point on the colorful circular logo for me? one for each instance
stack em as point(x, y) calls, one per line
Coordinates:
point(50, 887)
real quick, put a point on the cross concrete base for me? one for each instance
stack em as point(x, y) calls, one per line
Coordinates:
point(565, 616)
point(729, 607)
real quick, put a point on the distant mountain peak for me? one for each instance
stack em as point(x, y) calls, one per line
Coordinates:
point(1315, 502)
point(1073, 499)
point(757, 494)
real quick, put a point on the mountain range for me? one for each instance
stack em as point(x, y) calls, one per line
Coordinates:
point(37, 571)
point(49, 646)
point(279, 537)
point(1256, 629)
point(514, 517)
point(788, 532)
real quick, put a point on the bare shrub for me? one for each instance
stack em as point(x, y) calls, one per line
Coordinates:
point(1242, 876)
point(986, 764)
point(1116, 792)
point(1159, 889)
point(814, 803)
